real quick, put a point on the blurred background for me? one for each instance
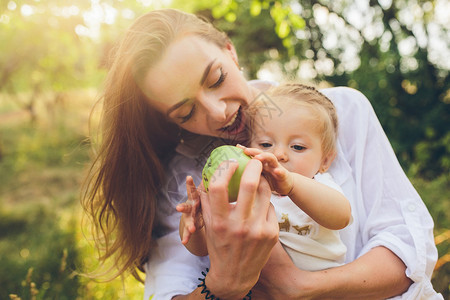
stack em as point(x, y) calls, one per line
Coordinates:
point(53, 61)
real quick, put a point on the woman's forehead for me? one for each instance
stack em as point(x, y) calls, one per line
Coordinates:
point(180, 70)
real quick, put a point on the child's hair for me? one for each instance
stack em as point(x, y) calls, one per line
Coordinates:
point(305, 96)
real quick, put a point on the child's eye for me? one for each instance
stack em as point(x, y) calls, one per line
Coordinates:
point(298, 147)
point(220, 80)
point(265, 145)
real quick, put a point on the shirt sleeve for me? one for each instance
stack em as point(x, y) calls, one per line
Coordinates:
point(327, 179)
point(172, 270)
point(389, 210)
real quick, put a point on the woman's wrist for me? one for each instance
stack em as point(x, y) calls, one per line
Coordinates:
point(224, 289)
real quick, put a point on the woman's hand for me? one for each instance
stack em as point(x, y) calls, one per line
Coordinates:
point(280, 179)
point(239, 236)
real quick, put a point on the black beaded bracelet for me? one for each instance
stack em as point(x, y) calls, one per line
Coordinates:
point(209, 295)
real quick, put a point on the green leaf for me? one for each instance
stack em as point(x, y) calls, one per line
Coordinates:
point(283, 29)
point(297, 22)
point(255, 8)
point(230, 17)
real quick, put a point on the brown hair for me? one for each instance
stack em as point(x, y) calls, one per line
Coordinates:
point(305, 95)
point(120, 191)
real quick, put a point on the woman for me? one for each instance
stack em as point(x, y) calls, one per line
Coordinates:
point(174, 73)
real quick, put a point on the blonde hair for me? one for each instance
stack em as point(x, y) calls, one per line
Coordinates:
point(306, 96)
point(128, 170)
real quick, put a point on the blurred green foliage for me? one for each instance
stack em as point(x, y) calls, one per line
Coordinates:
point(394, 53)
point(43, 252)
point(53, 53)
point(32, 239)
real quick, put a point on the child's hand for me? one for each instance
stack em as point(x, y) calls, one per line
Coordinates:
point(191, 218)
point(280, 179)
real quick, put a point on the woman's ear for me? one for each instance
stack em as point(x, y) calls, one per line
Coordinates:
point(233, 53)
point(326, 161)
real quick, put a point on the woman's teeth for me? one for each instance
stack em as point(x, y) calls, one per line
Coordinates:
point(231, 121)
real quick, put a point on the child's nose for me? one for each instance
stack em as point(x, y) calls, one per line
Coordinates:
point(280, 154)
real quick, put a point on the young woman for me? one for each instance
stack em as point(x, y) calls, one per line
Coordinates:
point(174, 73)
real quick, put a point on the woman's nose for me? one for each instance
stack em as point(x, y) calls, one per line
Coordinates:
point(214, 107)
point(280, 154)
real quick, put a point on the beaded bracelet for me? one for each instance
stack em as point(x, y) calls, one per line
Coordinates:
point(209, 295)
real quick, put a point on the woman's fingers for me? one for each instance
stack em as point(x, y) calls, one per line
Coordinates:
point(262, 204)
point(218, 188)
point(250, 182)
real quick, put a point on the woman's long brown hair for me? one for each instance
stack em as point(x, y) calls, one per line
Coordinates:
point(127, 172)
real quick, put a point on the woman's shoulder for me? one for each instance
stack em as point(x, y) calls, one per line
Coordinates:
point(348, 98)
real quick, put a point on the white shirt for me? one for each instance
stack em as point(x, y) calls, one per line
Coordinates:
point(311, 246)
point(386, 209)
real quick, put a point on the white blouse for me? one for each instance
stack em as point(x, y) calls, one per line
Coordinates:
point(311, 246)
point(387, 210)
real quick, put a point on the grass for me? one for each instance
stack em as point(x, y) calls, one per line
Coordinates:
point(42, 246)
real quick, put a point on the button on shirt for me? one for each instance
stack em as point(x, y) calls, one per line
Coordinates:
point(387, 210)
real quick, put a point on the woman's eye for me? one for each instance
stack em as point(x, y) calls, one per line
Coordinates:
point(265, 145)
point(220, 80)
point(186, 118)
point(298, 147)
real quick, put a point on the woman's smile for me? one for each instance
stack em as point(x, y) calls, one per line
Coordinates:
point(235, 125)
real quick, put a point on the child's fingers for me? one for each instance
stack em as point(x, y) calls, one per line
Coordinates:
point(184, 208)
point(186, 237)
point(192, 228)
point(279, 173)
point(190, 188)
point(268, 159)
point(249, 151)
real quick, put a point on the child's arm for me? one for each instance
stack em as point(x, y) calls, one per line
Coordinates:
point(192, 232)
point(323, 204)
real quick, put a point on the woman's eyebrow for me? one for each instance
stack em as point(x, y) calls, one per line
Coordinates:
point(206, 72)
point(204, 76)
point(176, 106)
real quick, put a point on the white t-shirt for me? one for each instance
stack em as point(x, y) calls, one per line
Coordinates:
point(387, 210)
point(311, 246)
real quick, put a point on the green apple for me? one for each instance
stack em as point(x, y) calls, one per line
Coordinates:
point(217, 156)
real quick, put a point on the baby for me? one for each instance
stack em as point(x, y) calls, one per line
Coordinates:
point(296, 147)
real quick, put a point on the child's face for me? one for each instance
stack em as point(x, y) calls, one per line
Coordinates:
point(293, 138)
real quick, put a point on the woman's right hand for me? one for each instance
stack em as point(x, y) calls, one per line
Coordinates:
point(239, 236)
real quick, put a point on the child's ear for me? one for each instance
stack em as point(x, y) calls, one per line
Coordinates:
point(326, 161)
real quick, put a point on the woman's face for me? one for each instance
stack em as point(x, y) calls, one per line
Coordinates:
point(200, 87)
